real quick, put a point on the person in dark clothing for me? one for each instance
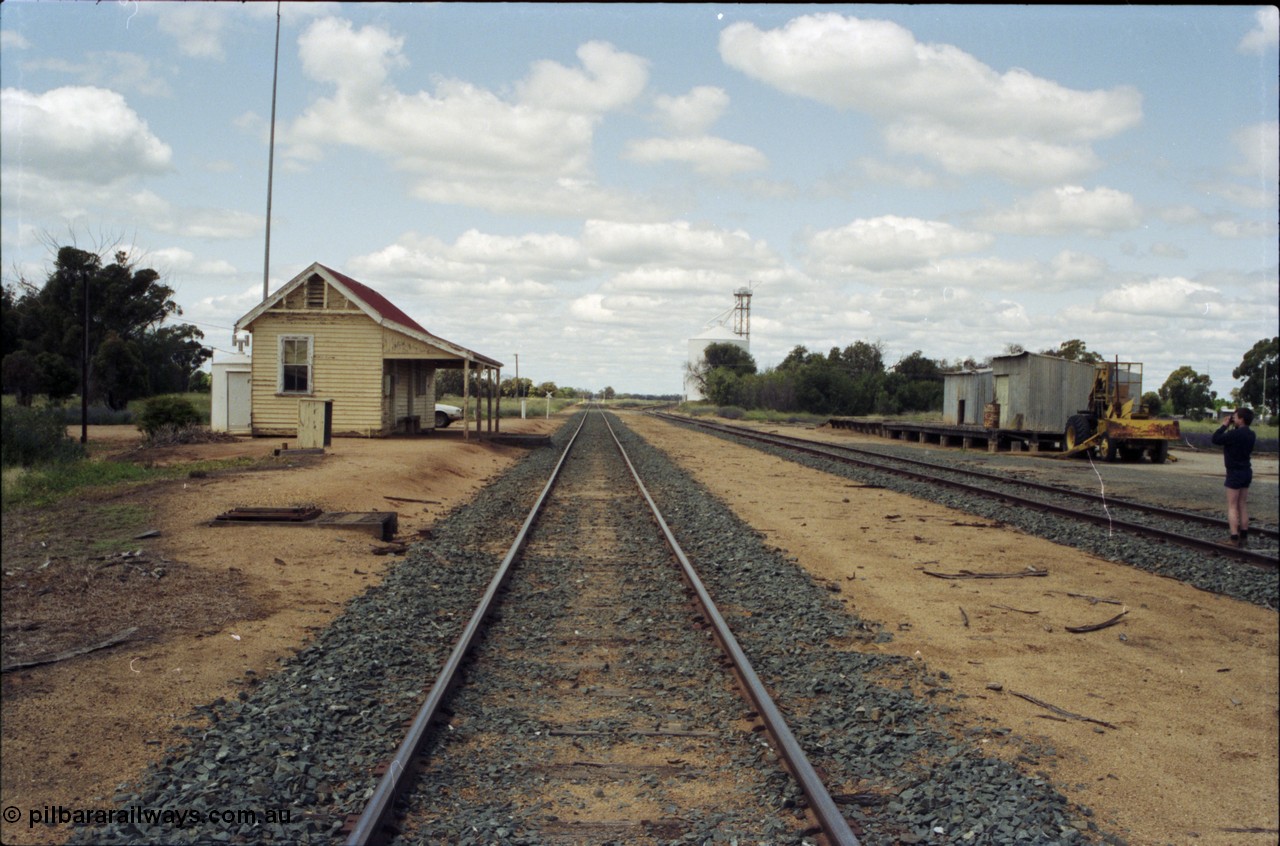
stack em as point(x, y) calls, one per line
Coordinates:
point(1237, 439)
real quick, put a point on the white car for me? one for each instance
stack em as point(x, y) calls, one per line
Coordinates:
point(446, 414)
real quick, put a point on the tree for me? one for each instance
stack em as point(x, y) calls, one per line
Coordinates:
point(547, 388)
point(119, 372)
point(1261, 359)
point(608, 393)
point(21, 375)
point(728, 356)
point(1187, 392)
point(1151, 400)
point(1074, 350)
point(861, 358)
point(123, 301)
point(515, 387)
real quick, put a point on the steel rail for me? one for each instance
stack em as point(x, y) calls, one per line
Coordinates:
point(1146, 508)
point(823, 807)
point(1253, 557)
point(369, 827)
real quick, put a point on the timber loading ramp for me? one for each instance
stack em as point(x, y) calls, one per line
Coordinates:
point(956, 435)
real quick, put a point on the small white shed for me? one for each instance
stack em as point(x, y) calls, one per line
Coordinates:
point(232, 393)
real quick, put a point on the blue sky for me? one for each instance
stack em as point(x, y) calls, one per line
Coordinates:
point(587, 185)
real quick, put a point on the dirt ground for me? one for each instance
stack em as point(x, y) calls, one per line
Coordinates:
point(1188, 679)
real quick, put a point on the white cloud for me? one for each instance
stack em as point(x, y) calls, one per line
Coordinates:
point(1265, 34)
point(1243, 229)
point(196, 27)
point(706, 154)
point(609, 80)
point(1164, 297)
point(935, 97)
point(688, 118)
point(892, 174)
point(79, 133)
point(11, 40)
point(1070, 208)
point(1013, 157)
point(675, 243)
point(462, 143)
point(888, 243)
point(695, 112)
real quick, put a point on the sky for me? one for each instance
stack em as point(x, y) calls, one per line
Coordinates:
point(586, 186)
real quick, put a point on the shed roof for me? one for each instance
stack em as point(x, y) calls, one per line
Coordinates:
point(378, 308)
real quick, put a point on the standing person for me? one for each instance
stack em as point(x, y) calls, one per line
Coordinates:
point(1237, 439)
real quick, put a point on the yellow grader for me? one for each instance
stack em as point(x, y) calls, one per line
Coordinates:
point(1110, 427)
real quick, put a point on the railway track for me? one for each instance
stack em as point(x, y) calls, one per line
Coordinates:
point(1178, 528)
point(601, 667)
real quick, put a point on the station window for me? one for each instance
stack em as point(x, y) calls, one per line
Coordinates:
point(295, 364)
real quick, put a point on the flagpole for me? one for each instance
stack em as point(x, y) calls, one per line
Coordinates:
point(271, 159)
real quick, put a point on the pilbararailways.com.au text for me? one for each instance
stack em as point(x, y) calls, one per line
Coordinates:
point(168, 817)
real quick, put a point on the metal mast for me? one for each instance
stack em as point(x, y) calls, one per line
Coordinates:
point(742, 313)
point(271, 159)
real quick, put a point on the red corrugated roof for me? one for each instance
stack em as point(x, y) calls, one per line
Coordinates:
point(377, 302)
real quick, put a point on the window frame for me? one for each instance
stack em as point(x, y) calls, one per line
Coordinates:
point(280, 378)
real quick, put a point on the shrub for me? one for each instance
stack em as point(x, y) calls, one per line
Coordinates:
point(36, 436)
point(99, 415)
point(167, 412)
point(731, 412)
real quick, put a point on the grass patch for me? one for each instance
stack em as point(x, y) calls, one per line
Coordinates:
point(47, 484)
point(126, 522)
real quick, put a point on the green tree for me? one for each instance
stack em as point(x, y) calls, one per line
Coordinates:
point(119, 371)
point(608, 393)
point(1074, 350)
point(1151, 400)
point(21, 375)
point(547, 388)
point(123, 301)
point(1187, 392)
point(516, 388)
point(861, 358)
point(729, 356)
point(1262, 358)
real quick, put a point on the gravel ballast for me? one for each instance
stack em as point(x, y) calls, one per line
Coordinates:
point(306, 739)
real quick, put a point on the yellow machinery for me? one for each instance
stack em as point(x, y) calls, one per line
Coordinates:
point(1111, 426)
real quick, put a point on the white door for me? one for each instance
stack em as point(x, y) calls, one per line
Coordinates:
point(239, 401)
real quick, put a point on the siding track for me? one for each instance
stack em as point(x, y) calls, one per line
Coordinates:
point(1186, 529)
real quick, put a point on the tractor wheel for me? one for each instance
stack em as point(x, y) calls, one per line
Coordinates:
point(1107, 449)
point(1078, 430)
point(1160, 453)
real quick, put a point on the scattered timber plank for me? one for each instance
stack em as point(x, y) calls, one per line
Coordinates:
point(407, 499)
point(1059, 711)
point(1098, 626)
point(1011, 608)
point(964, 617)
point(969, 574)
point(118, 637)
point(1094, 600)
